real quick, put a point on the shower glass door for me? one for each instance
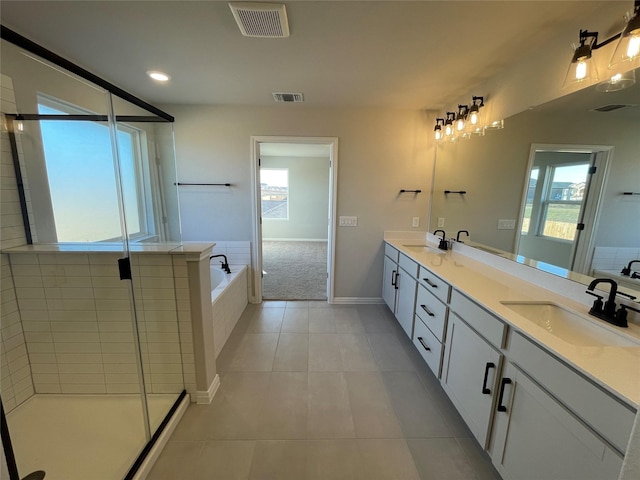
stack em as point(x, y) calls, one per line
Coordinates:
point(72, 386)
point(149, 197)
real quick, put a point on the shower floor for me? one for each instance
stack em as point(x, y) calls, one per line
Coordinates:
point(79, 437)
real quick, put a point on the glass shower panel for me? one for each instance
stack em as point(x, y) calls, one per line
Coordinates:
point(73, 315)
point(145, 149)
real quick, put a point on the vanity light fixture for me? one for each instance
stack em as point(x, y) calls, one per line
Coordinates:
point(474, 112)
point(626, 55)
point(628, 48)
point(448, 124)
point(438, 129)
point(582, 66)
point(461, 117)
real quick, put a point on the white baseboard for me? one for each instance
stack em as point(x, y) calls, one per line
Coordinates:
point(157, 448)
point(358, 300)
point(205, 398)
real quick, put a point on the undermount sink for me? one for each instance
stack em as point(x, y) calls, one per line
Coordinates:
point(423, 248)
point(569, 326)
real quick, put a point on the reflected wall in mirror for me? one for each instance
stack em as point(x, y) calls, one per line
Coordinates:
point(495, 169)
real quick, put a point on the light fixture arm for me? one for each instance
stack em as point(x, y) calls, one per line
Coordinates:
point(584, 34)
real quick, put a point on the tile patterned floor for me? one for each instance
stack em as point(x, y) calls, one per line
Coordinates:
point(313, 391)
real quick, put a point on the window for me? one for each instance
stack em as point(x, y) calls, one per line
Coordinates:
point(562, 202)
point(528, 206)
point(274, 192)
point(82, 178)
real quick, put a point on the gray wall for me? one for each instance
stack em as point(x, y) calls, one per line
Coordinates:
point(308, 199)
point(380, 152)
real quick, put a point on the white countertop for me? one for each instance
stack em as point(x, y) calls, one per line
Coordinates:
point(615, 368)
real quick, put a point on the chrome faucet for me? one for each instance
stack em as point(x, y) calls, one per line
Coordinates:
point(444, 244)
point(626, 271)
point(225, 264)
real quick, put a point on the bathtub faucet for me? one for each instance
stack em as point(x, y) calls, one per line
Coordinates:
point(225, 263)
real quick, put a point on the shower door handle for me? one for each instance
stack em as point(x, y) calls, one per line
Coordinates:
point(124, 266)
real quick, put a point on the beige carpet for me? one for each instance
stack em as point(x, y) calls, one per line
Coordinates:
point(294, 270)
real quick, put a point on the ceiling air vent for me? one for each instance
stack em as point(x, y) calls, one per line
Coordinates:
point(264, 20)
point(288, 97)
point(610, 108)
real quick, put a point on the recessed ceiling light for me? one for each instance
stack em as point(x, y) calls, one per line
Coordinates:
point(159, 76)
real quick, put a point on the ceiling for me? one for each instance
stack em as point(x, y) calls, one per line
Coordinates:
point(393, 54)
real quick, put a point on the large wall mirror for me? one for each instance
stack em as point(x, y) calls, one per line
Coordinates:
point(533, 194)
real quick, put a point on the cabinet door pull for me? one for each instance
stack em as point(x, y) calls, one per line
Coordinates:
point(427, 348)
point(486, 390)
point(393, 278)
point(424, 307)
point(505, 381)
point(396, 282)
point(430, 283)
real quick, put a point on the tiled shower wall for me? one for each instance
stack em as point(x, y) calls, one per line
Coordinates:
point(15, 380)
point(613, 258)
point(238, 253)
point(77, 319)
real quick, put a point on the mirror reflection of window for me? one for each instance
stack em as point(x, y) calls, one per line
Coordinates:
point(526, 217)
point(563, 202)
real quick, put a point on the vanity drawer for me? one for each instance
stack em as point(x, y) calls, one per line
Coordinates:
point(479, 319)
point(605, 414)
point(391, 252)
point(428, 346)
point(434, 284)
point(432, 312)
point(408, 265)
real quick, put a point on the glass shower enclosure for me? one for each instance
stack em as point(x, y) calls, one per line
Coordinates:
point(91, 360)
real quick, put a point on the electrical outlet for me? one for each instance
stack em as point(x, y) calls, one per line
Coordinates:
point(440, 222)
point(415, 222)
point(506, 224)
point(348, 221)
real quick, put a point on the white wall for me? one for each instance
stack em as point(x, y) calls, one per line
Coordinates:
point(308, 199)
point(380, 152)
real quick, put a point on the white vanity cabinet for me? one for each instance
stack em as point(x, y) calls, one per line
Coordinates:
point(551, 417)
point(535, 437)
point(406, 300)
point(431, 318)
point(389, 277)
point(472, 363)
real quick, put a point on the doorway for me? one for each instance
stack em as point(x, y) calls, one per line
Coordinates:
point(293, 220)
point(560, 204)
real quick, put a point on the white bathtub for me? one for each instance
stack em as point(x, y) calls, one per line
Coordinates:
point(228, 300)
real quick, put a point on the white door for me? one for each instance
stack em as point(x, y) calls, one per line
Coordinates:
point(560, 205)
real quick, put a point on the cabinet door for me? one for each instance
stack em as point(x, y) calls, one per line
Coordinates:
point(470, 375)
point(536, 438)
point(406, 302)
point(389, 288)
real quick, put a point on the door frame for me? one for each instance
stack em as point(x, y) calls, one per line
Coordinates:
point(256, 208)
point(602, 155)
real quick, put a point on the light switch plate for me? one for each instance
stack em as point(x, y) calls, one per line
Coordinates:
point(506, 224)
point(440, 222)
point(348, 221)
point(415, 222)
